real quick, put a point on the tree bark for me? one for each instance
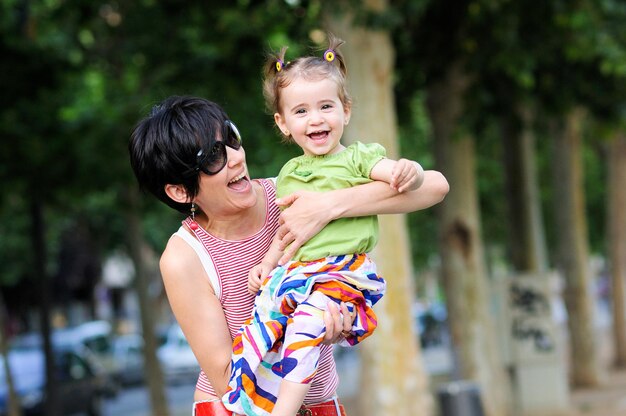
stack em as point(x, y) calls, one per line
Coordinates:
point(13, 406)
point(616, 231)
point(394, 380)
point(136, 243)
point(461, 249)
point(527, 243)
point(573, 251)
point(39, 252)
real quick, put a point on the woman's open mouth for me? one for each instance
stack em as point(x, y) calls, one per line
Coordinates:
point(239, 183)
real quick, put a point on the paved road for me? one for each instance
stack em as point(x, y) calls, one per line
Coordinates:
point(135, 401)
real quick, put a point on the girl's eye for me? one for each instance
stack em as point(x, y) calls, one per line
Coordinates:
point(326, 106)
point(300, 111)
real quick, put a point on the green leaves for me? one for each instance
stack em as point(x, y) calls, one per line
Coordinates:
point(77, 76)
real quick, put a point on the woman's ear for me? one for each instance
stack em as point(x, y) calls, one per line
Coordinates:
point(177, 193)
point(280, 122)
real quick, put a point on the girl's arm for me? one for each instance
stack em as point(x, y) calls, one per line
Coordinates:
point(309, 212)
point(259, 272)
point(402, 175)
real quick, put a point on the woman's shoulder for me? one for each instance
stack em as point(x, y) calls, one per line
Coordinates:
point(266, 181)
point(177, 253)
point(181, 266)
point(266, 189)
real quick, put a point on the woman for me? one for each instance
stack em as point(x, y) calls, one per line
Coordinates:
point(189, 155)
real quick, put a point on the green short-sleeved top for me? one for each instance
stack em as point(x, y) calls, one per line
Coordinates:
point(345, 169)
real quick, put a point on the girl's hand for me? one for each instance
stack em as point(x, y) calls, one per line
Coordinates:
point(406, 175)
point(256, 276)
point(307, 213)
point(338, 322)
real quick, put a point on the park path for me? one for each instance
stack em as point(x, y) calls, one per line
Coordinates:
point(607, 399)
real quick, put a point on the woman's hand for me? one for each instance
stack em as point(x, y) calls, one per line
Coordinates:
point(338, 322)
point(306, 215)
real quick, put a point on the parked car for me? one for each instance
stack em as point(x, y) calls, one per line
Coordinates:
point(177, 360)
point(121, 356)
point(98, 337)
point(95, 336)
point(81, 386)
point(128, 355)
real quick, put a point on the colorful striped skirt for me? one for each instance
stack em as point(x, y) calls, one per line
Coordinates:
point(282, 338)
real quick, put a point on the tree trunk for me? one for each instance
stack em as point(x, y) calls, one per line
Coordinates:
point(462, 253)
point(527, 243)
point(136, 243)
point(38, 232)
point(39, 252)
point(573, 251)
point(616, 230)
point(394, 381)
point(13, 406)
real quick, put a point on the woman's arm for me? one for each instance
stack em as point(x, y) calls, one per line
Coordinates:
point(377, 198)
point(309, 212)
point(201, 317)
point(198, 311)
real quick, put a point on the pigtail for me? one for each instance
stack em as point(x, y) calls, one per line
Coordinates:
point(333, 54)
point(274, 64)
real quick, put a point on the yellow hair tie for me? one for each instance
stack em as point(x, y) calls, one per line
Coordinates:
point(329, 55)
point(279, 65)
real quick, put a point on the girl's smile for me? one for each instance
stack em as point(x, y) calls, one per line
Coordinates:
point(312, 113)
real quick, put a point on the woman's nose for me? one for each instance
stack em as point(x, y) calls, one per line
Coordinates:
point(235, 157)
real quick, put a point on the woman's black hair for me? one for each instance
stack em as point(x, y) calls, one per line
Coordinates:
point(164, 145)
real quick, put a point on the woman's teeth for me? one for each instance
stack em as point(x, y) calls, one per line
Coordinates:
point(237, 178)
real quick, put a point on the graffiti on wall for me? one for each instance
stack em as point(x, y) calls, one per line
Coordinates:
point(531, 311)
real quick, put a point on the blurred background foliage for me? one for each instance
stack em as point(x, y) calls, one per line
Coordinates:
point(77, 75)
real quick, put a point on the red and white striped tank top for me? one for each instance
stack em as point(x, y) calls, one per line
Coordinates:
point(233, 260)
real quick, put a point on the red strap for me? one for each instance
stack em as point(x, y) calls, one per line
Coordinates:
point(328, 408)
point(214, 408)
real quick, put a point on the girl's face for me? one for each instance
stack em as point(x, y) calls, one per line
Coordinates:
point(312, 113)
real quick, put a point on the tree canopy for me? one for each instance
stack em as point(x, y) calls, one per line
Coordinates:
point(78, 75)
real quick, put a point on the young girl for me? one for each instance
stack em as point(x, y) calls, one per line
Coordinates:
point(275, 354)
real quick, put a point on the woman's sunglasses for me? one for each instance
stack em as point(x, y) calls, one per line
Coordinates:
point(214, 160)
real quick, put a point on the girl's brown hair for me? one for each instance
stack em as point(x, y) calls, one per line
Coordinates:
point(278, 74)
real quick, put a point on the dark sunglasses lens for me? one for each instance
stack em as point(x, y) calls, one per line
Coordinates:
point(233, 137)
point(216, 160)
point(217, 157)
